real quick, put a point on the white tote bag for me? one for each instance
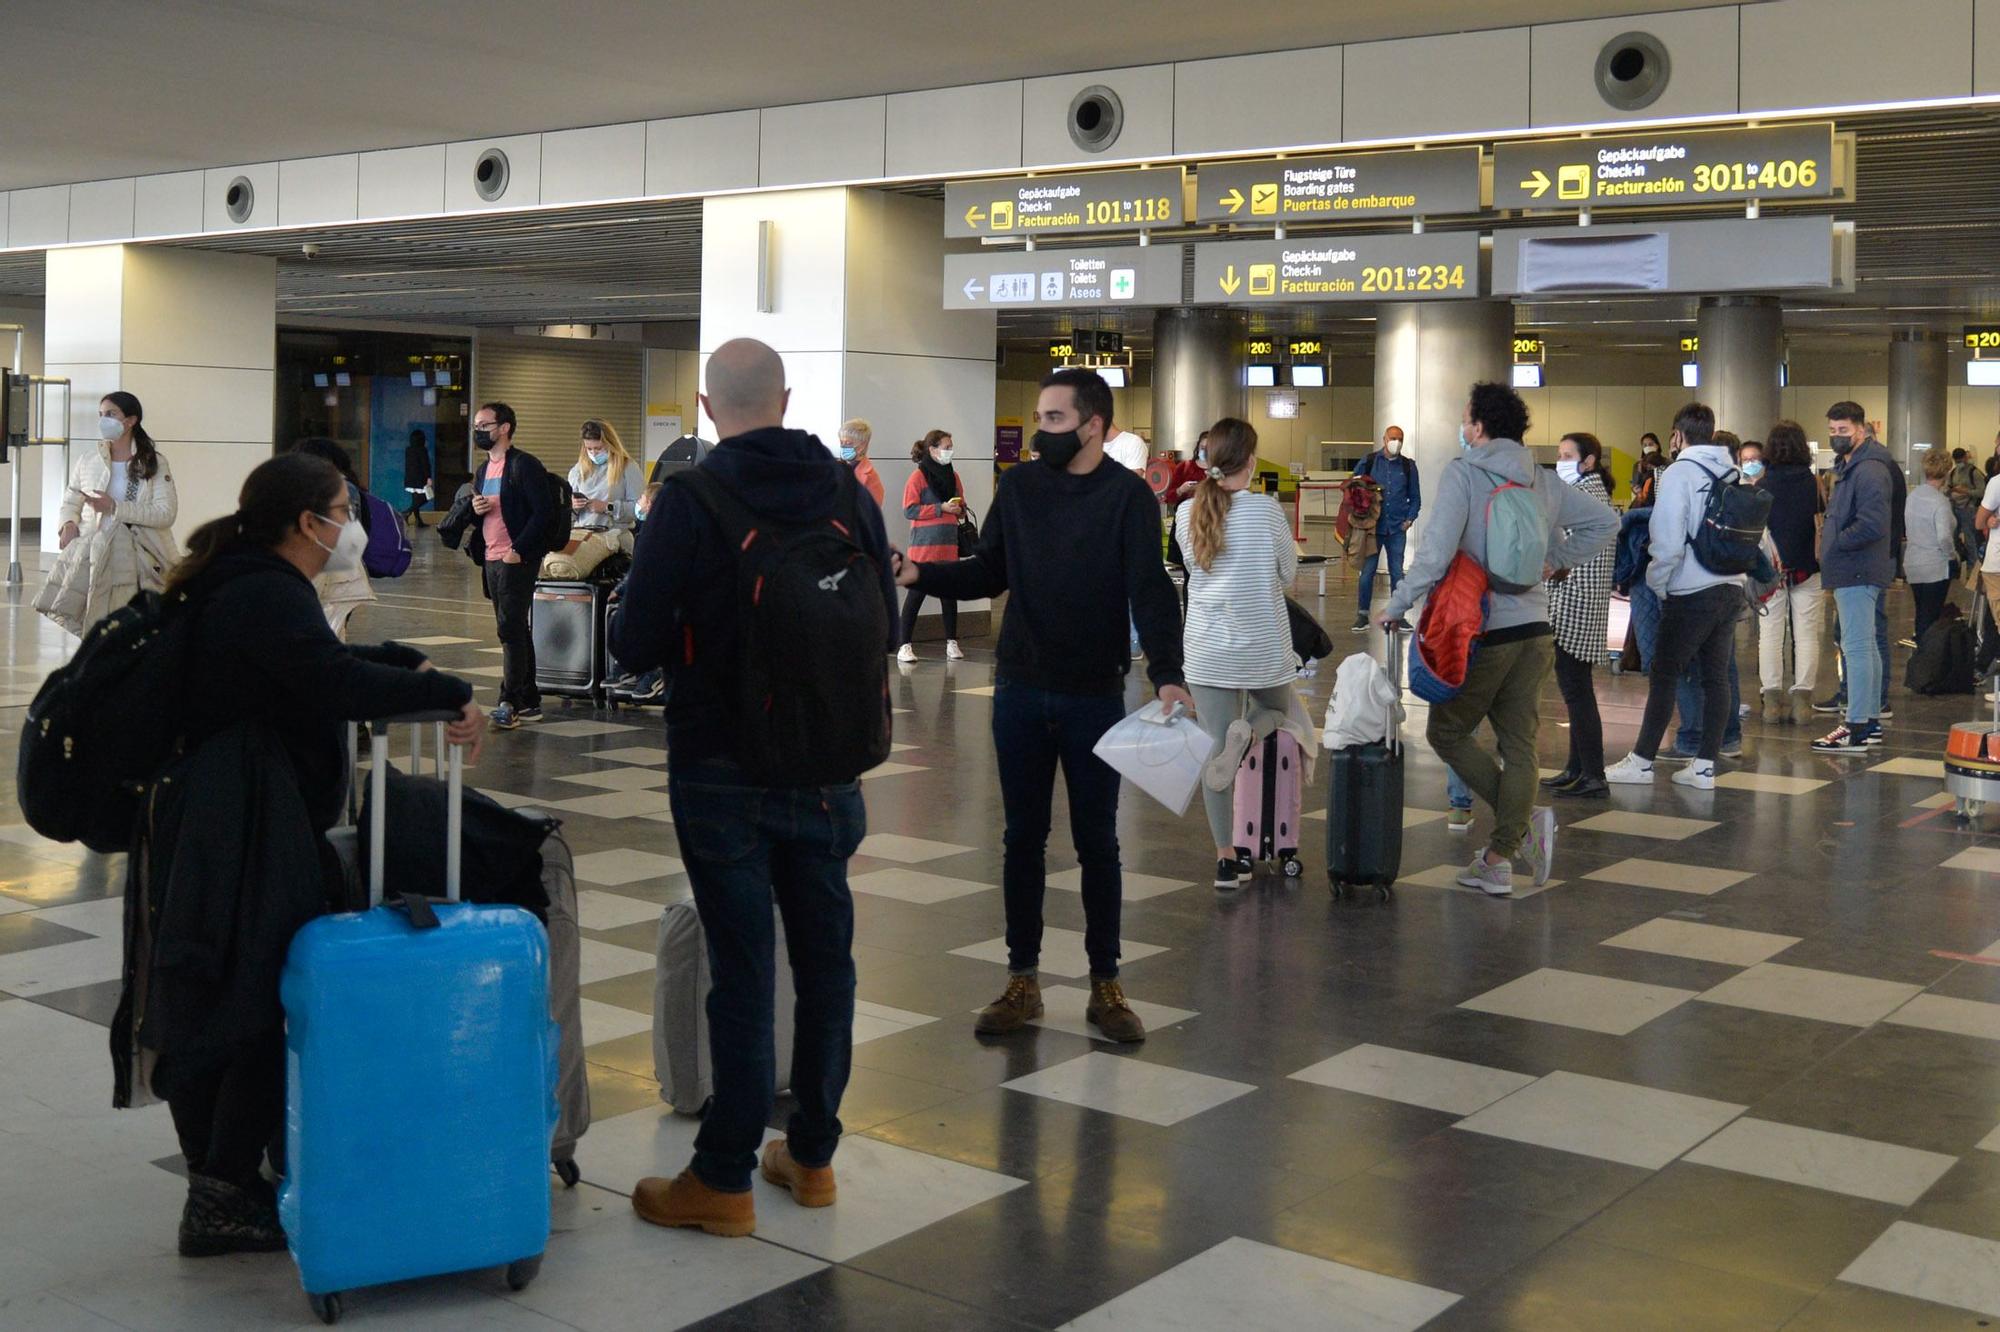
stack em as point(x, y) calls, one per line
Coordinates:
point(1159, 752)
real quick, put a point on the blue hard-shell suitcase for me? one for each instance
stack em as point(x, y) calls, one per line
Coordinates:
point(420, 1085)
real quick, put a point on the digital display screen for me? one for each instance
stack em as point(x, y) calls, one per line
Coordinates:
point(1528, 376)
point(1308, 376)
point(1261, 376)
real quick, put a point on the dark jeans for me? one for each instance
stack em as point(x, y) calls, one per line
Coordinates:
point(743, 845)
point(511, 588)
point(1930, 600)
point(1389, 547)
point(227, 1113)
point(1688, 699)
point(1033, 730)
point(913, 602)
point(1586, 727)
point(1701, 627)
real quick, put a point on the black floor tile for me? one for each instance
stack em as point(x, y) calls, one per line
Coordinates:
point(21, 931)
point(841, 1299)
point(93, 1003)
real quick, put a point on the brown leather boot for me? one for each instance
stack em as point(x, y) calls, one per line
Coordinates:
point(1110, 1014)
point(1777, 709)
point(1019, 1005)
point(686, 1201)
point(1802, 709)
point(811, 1186)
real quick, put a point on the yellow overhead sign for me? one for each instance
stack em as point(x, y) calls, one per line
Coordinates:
point(1792, 161)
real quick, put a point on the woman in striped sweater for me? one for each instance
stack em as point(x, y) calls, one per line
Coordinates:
point(1240, 666)
point(932, 501)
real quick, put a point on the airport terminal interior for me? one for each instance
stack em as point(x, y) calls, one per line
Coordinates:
point(1735, 1063)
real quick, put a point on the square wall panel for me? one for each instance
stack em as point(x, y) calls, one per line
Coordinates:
point(168, 205)
point(591, 165)
point(319, 189)
point(702, 154)
point(816, 142)
point(1211, 114)
point(403, 182)
point(101, 210)
point(1421, 86)
point(524, 174)
point(215, 183)
point(1145, 92)
point(1701, 53)
point(1801, 53)
point(38, 217)
point(944, 130)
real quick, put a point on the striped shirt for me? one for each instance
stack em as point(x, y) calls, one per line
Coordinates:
point(1238, 635)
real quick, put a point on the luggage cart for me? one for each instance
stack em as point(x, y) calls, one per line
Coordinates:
point(1972, 764)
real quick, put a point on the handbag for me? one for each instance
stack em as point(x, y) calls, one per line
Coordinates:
point(968, 532)
point(1160, 752)
point(1309, 637)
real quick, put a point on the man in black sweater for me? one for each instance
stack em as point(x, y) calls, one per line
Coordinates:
point(1076, 540)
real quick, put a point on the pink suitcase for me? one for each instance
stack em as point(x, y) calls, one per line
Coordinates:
point(1270, 798)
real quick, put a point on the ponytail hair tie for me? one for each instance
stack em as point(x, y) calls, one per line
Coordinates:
point(1215, 473)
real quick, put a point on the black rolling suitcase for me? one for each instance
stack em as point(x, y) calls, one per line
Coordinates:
point(568, 628)
point(1364, 811)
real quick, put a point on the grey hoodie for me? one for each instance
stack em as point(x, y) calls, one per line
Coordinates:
point(1579, 527)
point(1678, 508)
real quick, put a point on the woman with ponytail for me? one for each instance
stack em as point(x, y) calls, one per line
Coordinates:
point(1240, 560)
point(117, 519)
point(933, 500)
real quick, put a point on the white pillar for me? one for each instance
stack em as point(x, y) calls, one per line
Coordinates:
point(1428, 355)
point(193, 335)
point(853, 284)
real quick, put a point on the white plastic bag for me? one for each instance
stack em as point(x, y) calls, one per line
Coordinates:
point(1159, 752)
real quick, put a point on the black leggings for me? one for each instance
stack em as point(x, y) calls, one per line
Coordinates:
point(1586, 728)
point(915, 602)
point(228, 1113)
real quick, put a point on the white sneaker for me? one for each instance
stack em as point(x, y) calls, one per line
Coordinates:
point(952, 651)
point(1541, 842)
point(1699, 773)
point(907, 654)
point(1630, 771)
point(1493, 880)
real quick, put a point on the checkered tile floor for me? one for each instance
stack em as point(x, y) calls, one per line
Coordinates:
point(1729, 1069)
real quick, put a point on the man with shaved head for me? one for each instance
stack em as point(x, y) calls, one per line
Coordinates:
point(769, 513)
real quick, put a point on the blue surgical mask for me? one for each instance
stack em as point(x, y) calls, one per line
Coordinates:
point(1463, 442)
point(599, 457)
point(848, 453)
point(1753, 470)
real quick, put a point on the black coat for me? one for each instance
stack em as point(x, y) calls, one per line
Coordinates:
point(532, 521)
point(1794, 502)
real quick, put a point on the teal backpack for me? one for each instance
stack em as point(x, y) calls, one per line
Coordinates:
point(1517, 537)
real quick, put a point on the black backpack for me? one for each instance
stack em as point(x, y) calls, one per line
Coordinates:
point(104, 725)
point(812, 672)
point(1943, 661)
point(1731, 533)
point(561, 497)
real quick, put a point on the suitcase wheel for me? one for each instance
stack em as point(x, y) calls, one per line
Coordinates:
point(1294, 867)
point(326, 1308)
point(567, 1172)
point(523, 1271)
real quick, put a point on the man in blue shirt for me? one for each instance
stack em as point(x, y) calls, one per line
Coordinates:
point(1402, 500)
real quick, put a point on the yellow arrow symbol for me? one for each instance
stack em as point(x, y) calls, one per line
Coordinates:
point(1537, 184)
point(975, 215)
point(1230, 282)
point(1232, 200)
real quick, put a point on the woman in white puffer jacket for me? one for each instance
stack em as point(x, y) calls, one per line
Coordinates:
point(117, 520)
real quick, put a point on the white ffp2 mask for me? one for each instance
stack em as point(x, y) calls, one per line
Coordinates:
point(344, 555)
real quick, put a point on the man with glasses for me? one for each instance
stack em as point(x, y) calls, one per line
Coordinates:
point(517, 526)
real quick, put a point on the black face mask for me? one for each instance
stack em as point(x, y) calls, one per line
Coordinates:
point(1842, 445)
point(482, 439)
point(1058, 451)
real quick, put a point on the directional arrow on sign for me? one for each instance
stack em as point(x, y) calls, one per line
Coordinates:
point(975, 214)
point(1537, 184)
point(972, 288)
point(1232, 200)
point(1229, 281)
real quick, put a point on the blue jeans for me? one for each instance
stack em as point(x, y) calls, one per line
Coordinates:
point(1034, 730)
point(1456, 791)
point(745, 845)
point(1390, 545)
point(1862, 650)
point(1881, 647)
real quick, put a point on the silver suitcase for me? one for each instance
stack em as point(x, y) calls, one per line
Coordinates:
point(681, 981)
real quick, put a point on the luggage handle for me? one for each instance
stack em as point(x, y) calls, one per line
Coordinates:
point(1393, 661)
point(378, 778)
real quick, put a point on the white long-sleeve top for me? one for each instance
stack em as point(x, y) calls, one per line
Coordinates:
point(1238, 634)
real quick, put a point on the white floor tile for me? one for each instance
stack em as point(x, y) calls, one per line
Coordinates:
point(62, 966)
point(1062, 953)
point(1642, 873)
point(599, 910)
point(1251, 1287)
point(1984, 859)
point(1925, 1263)
point(908, 885)
point(1446, 876)
point(1830, 996)
point(609, 1022)
point(1835, 1162)
point(1942, 800)
point(1704, 943)
point(62, 853)
point(9, 905)
point(886, 1193)
point(1991, 1142)
point(616, 804)
point(1911, 767)
point(103, 918)
point(619, 779)
point(1133, 886)
point(1768, 783)
point(1576, 999)
point(45, 1311)
point(1961, 1017)
point(629, 1147)
point(1151, 1093)
point(907, 850)
point(572, 730)
point(641, 754)
point(983, 691)
point(624, 865)
point(1063, 1008)
point(874, 1021)
point(602, 961)
point(1615, 1121)
point(892, 770)
point(1663, 827)
point(1415, 1079)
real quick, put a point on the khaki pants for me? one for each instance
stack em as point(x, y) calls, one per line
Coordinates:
point(1504, 688)
point(1801, 608)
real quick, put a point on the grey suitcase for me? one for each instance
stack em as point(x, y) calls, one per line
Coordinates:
point(681, 981)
